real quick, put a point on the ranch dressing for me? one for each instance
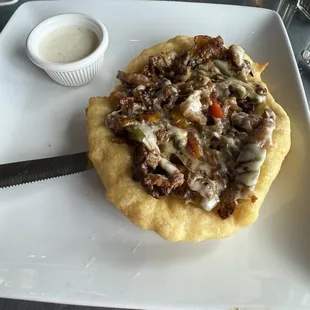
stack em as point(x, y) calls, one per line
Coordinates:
point(68, 44)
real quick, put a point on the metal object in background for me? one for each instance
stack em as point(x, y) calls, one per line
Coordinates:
point(7, 2)
point(305, 59)
point(286, 10)
point(305, 54)
point(304, 7)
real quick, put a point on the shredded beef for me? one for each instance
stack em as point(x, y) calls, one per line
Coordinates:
point(142, 96)
point(179, 66)
point(187, 73)
point(206, 48)
point(183, 191)
point(228, 202)
point(139, 167)
point(119, 140)
point(118, 122)
point(167, 96)
point(149, 71)
point(204, 183)
point(157, 185)
point(163, 135)
point(262, 135)
point(215, 144)
point(247, 105)
point(184, 146)
point(152, 159)
point(186, 88)
point(163, 62)
point(158, 62)
point(244, 121)
point(260, 89)
point(129, 107)
point(135, 79)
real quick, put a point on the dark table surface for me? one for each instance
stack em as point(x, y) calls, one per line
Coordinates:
point(299, 32)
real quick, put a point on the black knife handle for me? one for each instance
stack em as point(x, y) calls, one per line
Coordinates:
point(41, 169)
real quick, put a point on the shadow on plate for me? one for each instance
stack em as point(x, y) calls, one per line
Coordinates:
point(21, 60)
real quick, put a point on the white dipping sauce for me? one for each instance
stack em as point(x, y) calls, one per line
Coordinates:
point(68, 44)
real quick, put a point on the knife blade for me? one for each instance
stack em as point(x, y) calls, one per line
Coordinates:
point(28, 171)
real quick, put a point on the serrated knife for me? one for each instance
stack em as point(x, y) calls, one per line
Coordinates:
point(28, 171)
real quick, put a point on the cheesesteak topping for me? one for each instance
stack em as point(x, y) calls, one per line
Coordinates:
point(194, 125)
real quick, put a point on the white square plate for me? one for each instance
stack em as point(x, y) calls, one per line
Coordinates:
point(61, 241)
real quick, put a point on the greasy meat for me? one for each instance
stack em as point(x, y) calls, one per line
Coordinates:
point(194, 125)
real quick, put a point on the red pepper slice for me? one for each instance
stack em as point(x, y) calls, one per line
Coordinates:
point(215, 108)
point(193, 145)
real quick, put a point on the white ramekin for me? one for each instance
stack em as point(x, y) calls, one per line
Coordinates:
point(74, 73)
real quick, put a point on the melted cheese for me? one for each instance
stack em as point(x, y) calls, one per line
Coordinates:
point(238, 54)
point(191, 108)
point(220, 67)
point(195, 165)
point(243, 89)
point(179, 135)
point(249, 163)
point(193, 103)
point(208, 202)
point(209, 69)
point(230, 142)
point(268, 135)
point(150, 140)
point(168, 166)
point(223, 66)
point(270, 125)
point(167, 149)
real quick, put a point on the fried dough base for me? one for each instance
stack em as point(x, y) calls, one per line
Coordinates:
point(170, 217)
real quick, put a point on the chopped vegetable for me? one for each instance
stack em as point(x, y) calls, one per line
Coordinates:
point(178, 119)
point(193, 145)
point(136, 134)
point(215, 108)
point(151, 117)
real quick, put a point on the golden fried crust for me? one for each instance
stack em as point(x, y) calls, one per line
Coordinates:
point(170, 217)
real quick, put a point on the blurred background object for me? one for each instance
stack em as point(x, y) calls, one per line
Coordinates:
point(7, 2)
point(304, 7)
